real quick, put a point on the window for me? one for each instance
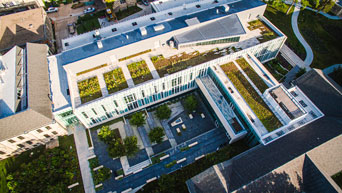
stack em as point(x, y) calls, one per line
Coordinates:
point(94, 111)
point(163, 86)
point(21, 145)
point(48, 127)
point(114, 29)
point(2, 153)
point(294, 93)
point(303, 103)
point(122, 1)
point(142, 93)
point(191, 76)
point(104, 108)
point(29, 142)
point(85, 115)
point(39, 130)
point(179, 80)
point(115, 103)
point(155, 89)
point(54, 132)
point(11, 141)
point(153, 18)
point(174, 82)
point(21, 137)
point(134, 23)
point(47, 136)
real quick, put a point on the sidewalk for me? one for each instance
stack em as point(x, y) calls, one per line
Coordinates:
point(83, 154)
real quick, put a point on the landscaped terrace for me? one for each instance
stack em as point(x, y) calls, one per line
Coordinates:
point(89, 89)
point(182, 61)
point(258, 82)
point(266, 32)
point(115, 80)
point(139, 72)
point(256, 103)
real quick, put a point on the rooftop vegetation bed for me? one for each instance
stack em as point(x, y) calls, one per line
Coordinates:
point(115, 80)
point(100, 175)
point(51, 170)
point(139, 72)
point(89, 89)
point(266, 32)
point(277, 68)
point(134, 55)
point(175, 181)
point(184, 60)
point(259, 107)
point(91, 69)
point(259, 83)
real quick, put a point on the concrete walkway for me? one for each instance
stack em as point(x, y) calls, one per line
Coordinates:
point(127, 75)
point(83, 154)
point(292, 57)
point(294, 22)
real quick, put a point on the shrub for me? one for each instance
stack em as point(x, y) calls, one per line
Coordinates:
point(101, 175)
point(169, 165)
point(106, 135)
point(156, 135)
point(115, 80)
point(163, 112)
point(93, 163)
point(138, 119)
point(190, 103)
point(131, 145)
point(116, 149)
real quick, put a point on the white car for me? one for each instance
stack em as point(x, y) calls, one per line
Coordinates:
point(89, 10)
point(52, 9)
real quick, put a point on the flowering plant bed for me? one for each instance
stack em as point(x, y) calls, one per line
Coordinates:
point(259, 107)
point(139, 72)
point(115, 80)
point(259, 83)
point(89, 89)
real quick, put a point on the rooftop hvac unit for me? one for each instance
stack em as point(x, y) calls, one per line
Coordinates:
point(226, 8)
point(143, 31)
point(99, 44)
point(159, 27)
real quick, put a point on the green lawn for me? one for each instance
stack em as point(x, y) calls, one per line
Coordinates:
point(175, 182)
point(283, 23)
point(129, 11)
point(139, 72)
point(89, 22)
point(338, 178)
point(259, 107)
point(324, 37)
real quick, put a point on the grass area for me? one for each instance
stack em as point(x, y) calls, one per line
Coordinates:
point(139, 72)
point(129, 11)
point(89, 22)
point(156, 159)
point(120, 172)
point(93, 163)
point(115, 80)
point(184, 148)
point(169, 165)
point(324, 37)
point(338, 178)
point(256, 79)
point(47, 170)
point(283, 23)
point(259, 107)
point(175, 182)
point(88, 138)
point(107, 124)
point(336, 75)
point(89, 89)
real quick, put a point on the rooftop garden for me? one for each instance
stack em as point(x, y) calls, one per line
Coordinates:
point(184, 60)
point(89, 89)
point(256, 103)
point(258, 82)
point(115, 80)
point(45, 170)
point(139, 72)
point(266, 32)
point(278, 68)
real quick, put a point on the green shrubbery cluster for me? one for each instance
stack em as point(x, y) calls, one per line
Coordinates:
point(89, 89)
point(115, 80)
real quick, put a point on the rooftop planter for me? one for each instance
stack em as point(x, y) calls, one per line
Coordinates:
point(256, 103)
point(266, 33)
point(89, 89)
point(259, 83)
point(182, 61)
point(115, 80)
point(139, 72)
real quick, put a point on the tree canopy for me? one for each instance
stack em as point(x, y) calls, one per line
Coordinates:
point(163, 112)
point(131, 145)
point(190, 103)
point(156, 134)
point(138, 119)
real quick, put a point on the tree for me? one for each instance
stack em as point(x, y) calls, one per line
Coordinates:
point(106, 135)
point(163, 112)
point(156, 134)
point(138, 119)
point(131, 145)
point(190, 103)
point(116, 149)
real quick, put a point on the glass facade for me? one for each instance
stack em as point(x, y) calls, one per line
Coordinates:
point(218, 41)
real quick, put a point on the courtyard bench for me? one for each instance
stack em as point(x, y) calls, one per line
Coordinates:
point(202, 115)
point(190, 116)
point(183, 127)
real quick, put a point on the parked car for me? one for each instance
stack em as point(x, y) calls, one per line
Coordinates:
point(71, 28)
point(89, 10)
point(145, 2)
point(52, 9)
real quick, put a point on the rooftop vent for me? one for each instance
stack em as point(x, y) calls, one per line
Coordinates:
point(170, 13)
point(66, 44)
point(198, 6)
point(114, 29)
point(143, 31)
point(99, 44)
point(216, 1)
point(134, 23)
point(159, 27)
point(226, 8)
point(153, 18)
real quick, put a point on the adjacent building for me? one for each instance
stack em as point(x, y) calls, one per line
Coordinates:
point(26, 118)
point(31, 25)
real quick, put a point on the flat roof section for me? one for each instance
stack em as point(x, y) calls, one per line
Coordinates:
point(285, 102)
point(226, 27)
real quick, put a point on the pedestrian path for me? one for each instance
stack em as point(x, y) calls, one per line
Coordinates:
point(83, 154)
point(294, 22)
point(102, 84)
point(292, 57)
